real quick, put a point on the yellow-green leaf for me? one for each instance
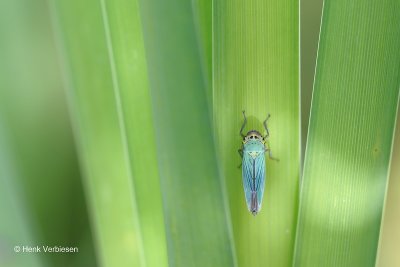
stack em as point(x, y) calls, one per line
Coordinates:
point(256, 69)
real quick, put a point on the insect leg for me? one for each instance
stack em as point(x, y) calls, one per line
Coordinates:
point(241, 155)
point(244, 124)
point(240, 152)
point(270, 154)
point(266, 127)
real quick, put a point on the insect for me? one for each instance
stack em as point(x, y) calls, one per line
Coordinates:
point(252, 153)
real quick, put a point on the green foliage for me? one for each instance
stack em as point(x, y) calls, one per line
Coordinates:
point(350, 136)
point(196, 224)
point(130, 82)
point(202, 10)
point(156, 91)
point(256, 58)
point(390, 232)
point(111, 105)
point(99, 132)
point(14, 228)
point(39, 175)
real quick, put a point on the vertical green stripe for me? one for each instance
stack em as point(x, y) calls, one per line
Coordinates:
point(202, 11)
point(390, 232)
point(256, 69)
point(194, 211)
point(127, 56)
point(108, 180)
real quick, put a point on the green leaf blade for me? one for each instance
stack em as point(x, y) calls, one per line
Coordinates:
point(194, 212)
point(108, 181)
point(202, 12)
point(255, 68)
point(350, 136)
point(390, 233)
point(127, 56)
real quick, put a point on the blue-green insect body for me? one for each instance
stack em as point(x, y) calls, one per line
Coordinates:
point(253, 166)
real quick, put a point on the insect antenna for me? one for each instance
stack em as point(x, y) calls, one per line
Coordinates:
point(243, 125)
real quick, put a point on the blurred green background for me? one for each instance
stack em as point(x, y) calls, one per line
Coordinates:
point(51, 193)
point(42, 199)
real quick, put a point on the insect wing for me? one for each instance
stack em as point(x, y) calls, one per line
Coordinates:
point(247, 176)
point(253, 175)
point(260, 178)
